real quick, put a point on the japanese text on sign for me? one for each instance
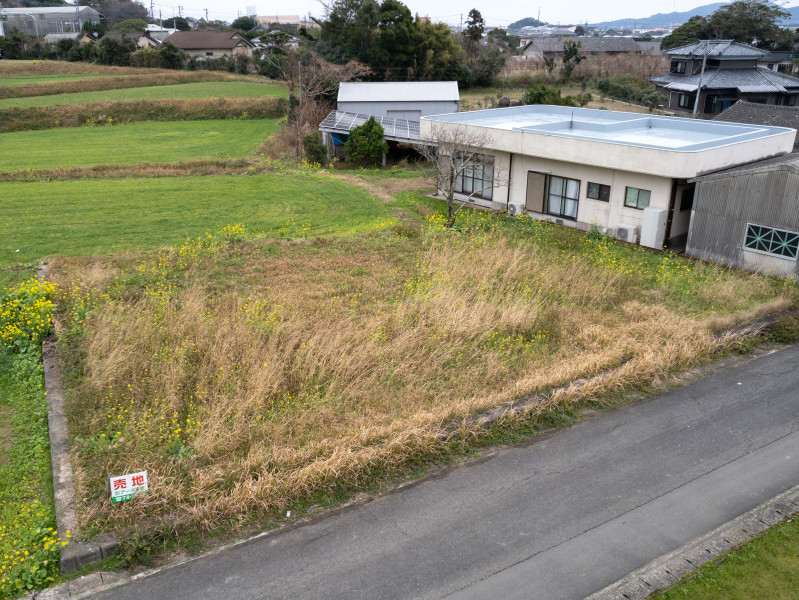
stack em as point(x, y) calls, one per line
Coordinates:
point(125, 486)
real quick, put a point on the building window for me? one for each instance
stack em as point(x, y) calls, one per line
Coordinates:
point(771, 241)
point(598, 191)
point(678, 66)
point(636, 198)
point(687, 199)
point(790, 100)
point(209, 54)
point(564, 195)
point(477, 178)
point(685, 101)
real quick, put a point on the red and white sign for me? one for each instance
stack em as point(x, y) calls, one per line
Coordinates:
point(125, 486)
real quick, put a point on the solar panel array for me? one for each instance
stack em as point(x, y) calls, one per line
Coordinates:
point(402, 129)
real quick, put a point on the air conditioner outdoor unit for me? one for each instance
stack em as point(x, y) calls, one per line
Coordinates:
point(628, 234)
point(514, 210)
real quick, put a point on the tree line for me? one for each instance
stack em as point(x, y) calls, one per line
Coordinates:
point(754, 22)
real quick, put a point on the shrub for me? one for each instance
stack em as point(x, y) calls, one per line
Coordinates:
point(632, 89)
point(366, 144)
point(313, 149)
point(146, 57)
point(541, 93)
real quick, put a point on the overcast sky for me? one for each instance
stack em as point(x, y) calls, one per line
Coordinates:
point(496, 12)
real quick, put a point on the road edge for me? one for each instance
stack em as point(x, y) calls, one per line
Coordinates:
point(669, 570)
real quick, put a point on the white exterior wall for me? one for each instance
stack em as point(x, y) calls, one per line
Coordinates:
point(589, 211)
point(619, 165)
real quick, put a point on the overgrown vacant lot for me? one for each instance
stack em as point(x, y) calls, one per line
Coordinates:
point(208, 89)
point(108, 216)
point(16, 80)
point(247, 373)
point(152, 142)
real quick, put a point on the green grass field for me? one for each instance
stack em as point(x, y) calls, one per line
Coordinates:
point(766, 567)
point(154, 142)
point(15, 80)
point(107, 216)
point(210, 89)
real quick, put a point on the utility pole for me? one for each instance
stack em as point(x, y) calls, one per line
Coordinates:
point(152, 14)
point(180, 11)
point(460, 28)
point(701, 74)
point(206, 15)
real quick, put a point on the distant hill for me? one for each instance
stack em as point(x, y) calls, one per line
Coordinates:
point(677, 18)
point(528, 22)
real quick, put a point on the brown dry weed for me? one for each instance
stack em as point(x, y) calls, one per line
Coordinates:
point(254, 375)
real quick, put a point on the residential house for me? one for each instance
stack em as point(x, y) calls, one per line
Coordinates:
point(209, 43)
point(751, 113)
point(780, 61)
point(142, 40)
point(80, 37)
point(41, 20)
point(748, 216)
point(159, 33)
point(722, 72)
point(628, 174)
point(409, 100)
point(552, 47)
point(649, 46)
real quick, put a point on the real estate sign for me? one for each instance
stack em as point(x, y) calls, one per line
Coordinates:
point(125, 486)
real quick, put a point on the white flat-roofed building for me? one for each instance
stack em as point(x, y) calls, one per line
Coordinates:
point(408, 100)
point(624, 173)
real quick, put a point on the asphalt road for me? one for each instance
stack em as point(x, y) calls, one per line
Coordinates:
point(560, 517)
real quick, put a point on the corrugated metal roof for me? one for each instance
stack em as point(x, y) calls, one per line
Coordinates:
point(752, 113)
point(401, 130)
point(209, 39)
point(405, 91)
point(717, 48)
point(784, 162)
point(759, 79)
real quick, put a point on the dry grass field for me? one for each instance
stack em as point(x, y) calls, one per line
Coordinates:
point(248, 372)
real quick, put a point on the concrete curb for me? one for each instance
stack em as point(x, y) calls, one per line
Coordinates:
point(76, 553)
point(669, 570)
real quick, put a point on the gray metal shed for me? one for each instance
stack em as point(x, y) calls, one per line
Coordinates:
point(408, 100)
point(748, 216)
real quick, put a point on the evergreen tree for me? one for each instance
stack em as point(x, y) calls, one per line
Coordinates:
point(475, 26)
point(366, 144)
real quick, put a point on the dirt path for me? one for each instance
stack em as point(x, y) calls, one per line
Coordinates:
point(385, 189)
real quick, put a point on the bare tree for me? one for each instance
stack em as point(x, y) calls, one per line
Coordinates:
point(462, 166)
point(311, 82)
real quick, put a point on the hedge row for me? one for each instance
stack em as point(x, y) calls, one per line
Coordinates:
point(112, 113)
point(98, 84)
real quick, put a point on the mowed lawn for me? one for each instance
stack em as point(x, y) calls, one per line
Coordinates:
point(107, 216)
point(151, 141)
point(208, 89)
